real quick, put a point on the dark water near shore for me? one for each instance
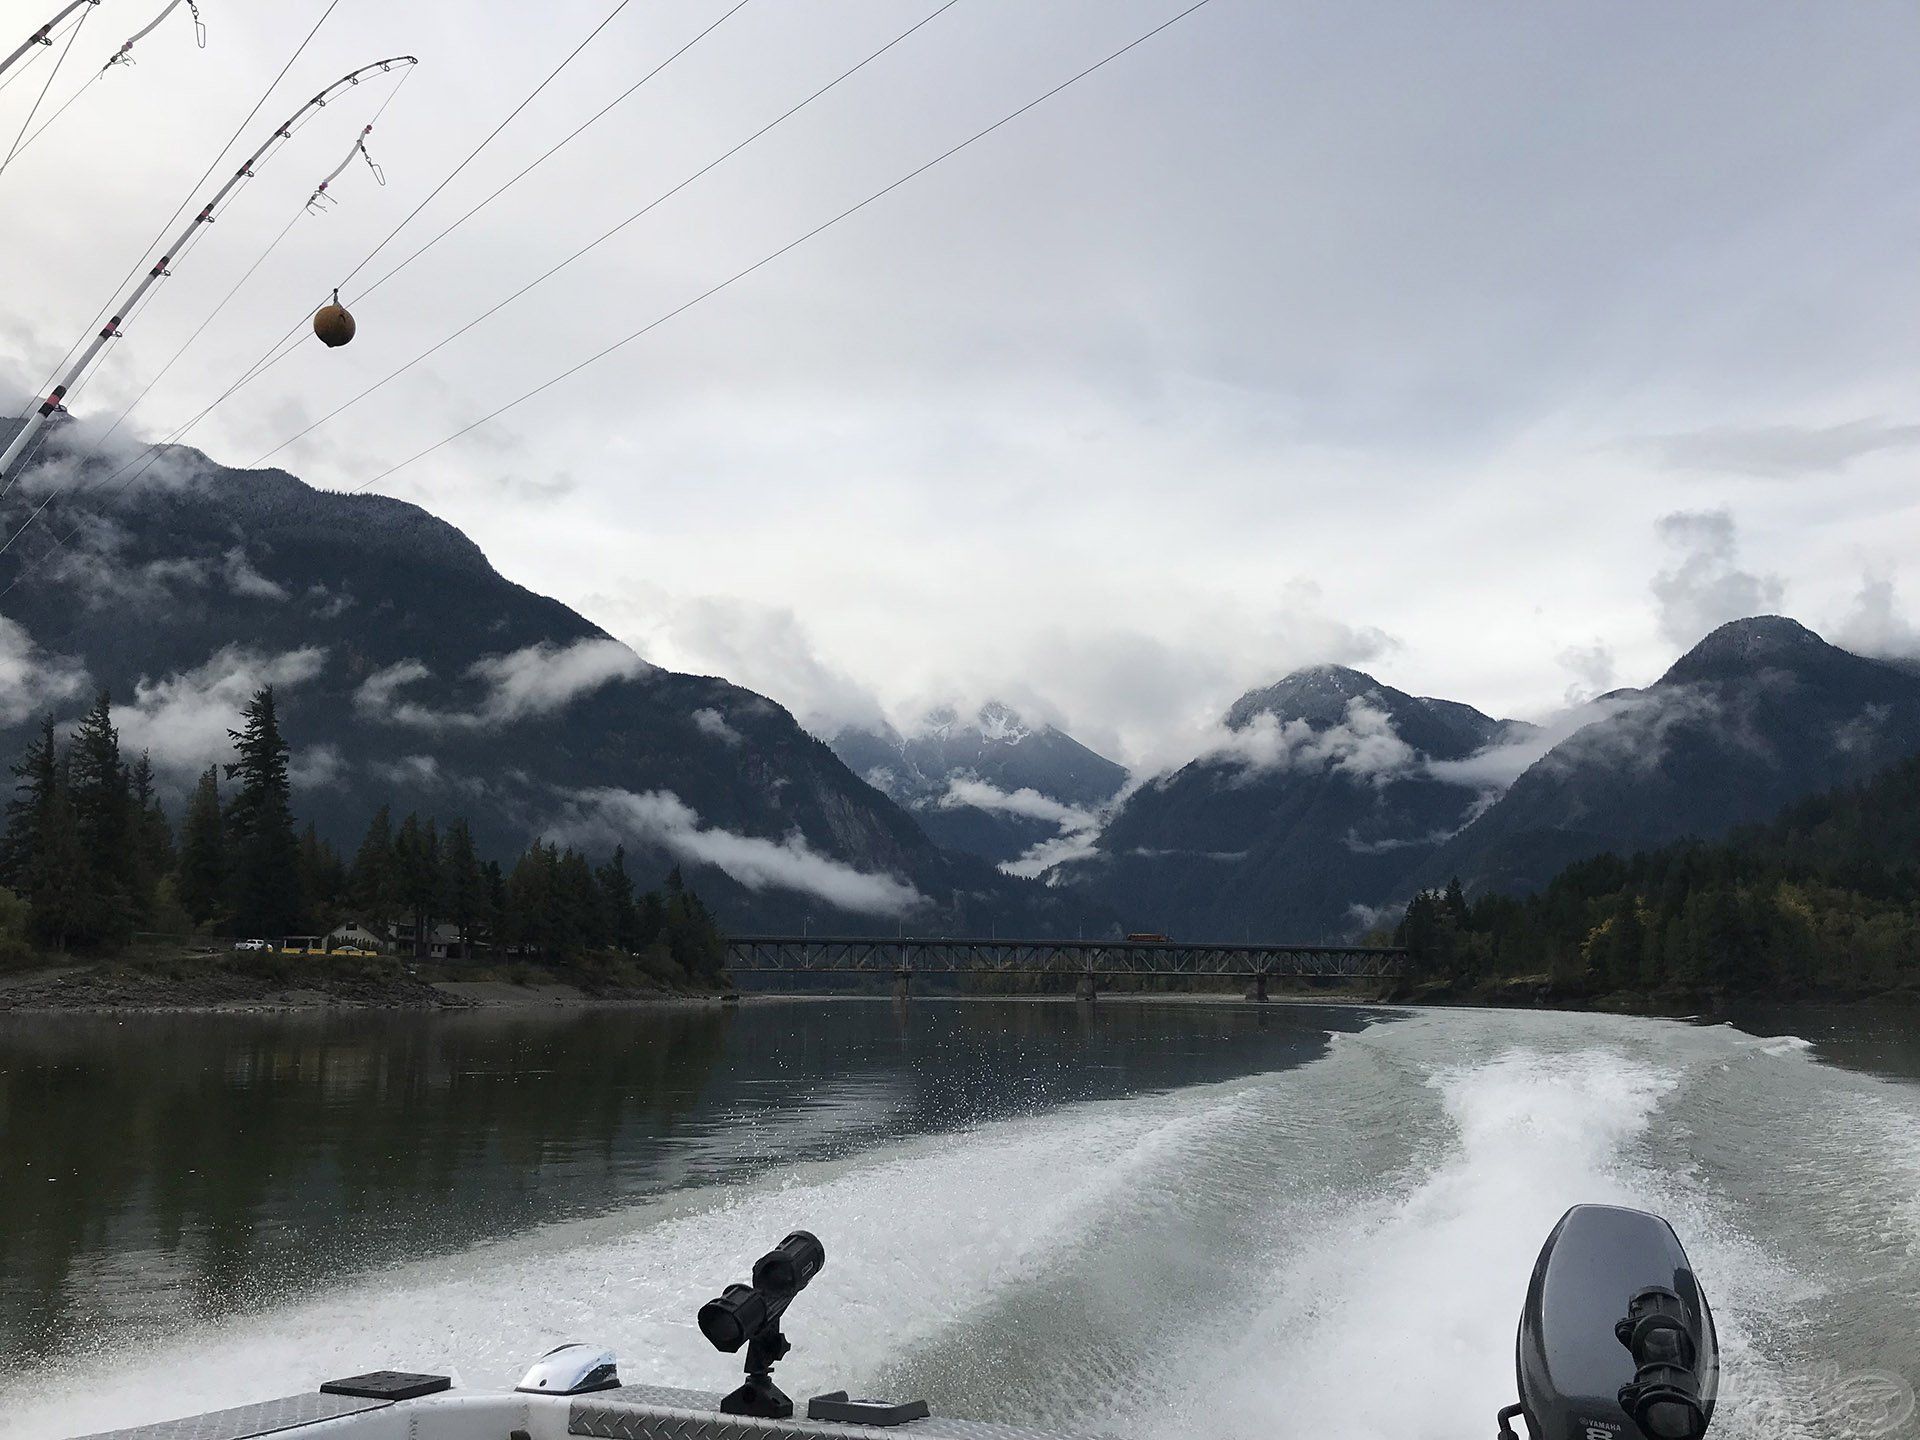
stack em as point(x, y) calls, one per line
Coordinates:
point(199, 1210)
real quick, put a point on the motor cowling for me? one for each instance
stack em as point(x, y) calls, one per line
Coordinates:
point(1616, 1339)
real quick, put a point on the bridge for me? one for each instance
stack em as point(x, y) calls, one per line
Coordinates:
point(1089, 961)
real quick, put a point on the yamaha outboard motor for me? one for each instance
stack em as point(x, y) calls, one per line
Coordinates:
point(1616, 1341)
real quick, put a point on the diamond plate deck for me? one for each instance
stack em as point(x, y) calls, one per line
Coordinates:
point(270, 1417)
point(653, 1412)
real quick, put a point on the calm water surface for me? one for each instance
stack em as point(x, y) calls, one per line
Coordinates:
point(1134, 1219)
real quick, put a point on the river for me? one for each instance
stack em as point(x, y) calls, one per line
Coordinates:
point(1137, 1220)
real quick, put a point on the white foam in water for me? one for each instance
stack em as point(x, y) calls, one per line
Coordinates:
point(921, 1234)
point(1200, 1262)
point(1396, 1319)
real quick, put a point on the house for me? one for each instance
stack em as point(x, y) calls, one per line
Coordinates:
point(443, 941)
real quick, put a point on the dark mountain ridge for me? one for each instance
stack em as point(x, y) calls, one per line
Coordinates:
point(411, 672)
point(1315, 804)
point(990, 784)
point(1759, 714)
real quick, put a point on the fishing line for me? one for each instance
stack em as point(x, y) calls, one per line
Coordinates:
point(54, 74)
point(281, 348)
point(307, 116)
point(275, 354)
point(911, 175)
point(160, 238)
point(791, 245)
point(607, 235)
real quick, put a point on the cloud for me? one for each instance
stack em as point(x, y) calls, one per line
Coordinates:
point(545, 678)
point(1500, 764)
point(244, 580)
point(1079, 827)
point(661, 818)
point(421, 770)
point(1592, 666)
point(535, 680)
point(31, 680)
point(183, 719)
point(1777, 452)
point(970, 794)
point(1364, 745)
point(316, 767)
point(1705, 588)
point(1876, 625)
point(712, 722)
point(765, 648)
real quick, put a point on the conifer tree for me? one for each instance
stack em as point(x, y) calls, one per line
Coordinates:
point(57, 886)
point(265, 856)
point(375, 884)
point(153, 855)
point(616, 901)
point(465, 887)
point(98, 790)
point(35, 774)
point(416, 854)
point(201, 885)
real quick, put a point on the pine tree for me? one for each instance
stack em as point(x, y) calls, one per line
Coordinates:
point(98, 790)
point(464, 885)
point(58, 887)
point(375, 884)
point(266, 857)
point(616, 902)
point(152, 837)
point(35, 774)
point(201, 885)
point(416, 855)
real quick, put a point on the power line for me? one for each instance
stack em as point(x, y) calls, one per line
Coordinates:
point(766, 260)
point(167, 227)
point(274, 353)
point(735, 278)
point(491, 135)
point(609, 234)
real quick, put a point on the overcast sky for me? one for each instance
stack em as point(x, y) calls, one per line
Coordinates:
point(1497, 348)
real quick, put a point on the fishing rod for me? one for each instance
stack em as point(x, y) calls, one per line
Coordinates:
point(42, 36)
point(124, 310)
point(124, 55)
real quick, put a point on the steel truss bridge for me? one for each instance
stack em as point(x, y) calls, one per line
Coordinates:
point(1087, 961)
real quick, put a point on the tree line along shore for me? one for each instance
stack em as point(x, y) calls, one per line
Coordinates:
point(92, 867)
point(1821, 903)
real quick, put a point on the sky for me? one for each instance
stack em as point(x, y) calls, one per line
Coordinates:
point(1499, 349)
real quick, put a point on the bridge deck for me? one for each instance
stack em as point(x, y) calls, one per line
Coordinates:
point(825, 954)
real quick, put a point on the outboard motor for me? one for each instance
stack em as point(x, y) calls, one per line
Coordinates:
point(1616, 1340)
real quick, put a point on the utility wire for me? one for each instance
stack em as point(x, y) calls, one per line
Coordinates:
point(281, 349)
point(167, 228)
point(54, 118)
point(491, 135)
point(608, 234)
point(40, 99)
point(766, 260)
point(711, 291)
point(274, 353)
point(227, 299)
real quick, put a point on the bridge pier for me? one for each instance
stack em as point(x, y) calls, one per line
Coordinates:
point(902, 983)
point(1258, 990)
point(1087, 989)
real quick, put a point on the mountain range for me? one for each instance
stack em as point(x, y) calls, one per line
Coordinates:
point(989, 784)
point(1328, 799)
point(410, 672)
